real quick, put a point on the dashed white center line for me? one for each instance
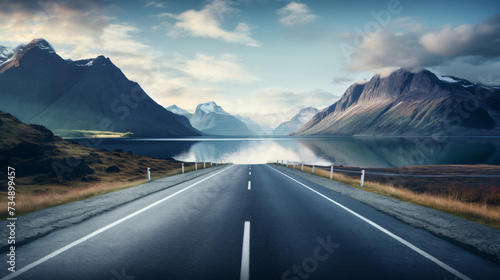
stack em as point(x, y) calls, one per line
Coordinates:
point(250, 173)
point(245, 254)
point(249, 185)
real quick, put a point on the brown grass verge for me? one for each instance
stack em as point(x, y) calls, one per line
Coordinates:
point(452, 203)
point(30, 198)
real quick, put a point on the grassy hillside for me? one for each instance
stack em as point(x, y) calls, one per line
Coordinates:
point(52, 171)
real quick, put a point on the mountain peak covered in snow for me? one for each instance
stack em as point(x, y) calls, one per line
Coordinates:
point(178, 110)
point(211, 107)
point(41, 44)
point(297, 121)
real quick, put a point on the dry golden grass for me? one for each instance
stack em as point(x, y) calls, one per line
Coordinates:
point(451, 203)
point(31, 198)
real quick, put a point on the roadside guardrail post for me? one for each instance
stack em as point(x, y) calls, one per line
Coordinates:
point(302, 168)
point(195, 166)
point(204, 165)
point(183, 168)
point(331, 172)
point(149, 175)
point(313, 170)
point(362, 177)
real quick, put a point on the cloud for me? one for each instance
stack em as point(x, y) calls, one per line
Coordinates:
point(223, 68)
point(21, 21)
point(154, 4)
point(418, 47)
point(207, 23)
point(295, 14)
point(480, 40)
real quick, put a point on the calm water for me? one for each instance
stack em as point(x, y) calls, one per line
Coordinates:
point(347, 151)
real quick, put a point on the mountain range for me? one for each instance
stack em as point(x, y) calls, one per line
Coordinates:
point(407, 103)
point(38, 86)
point(210, 118)
point(296, 122)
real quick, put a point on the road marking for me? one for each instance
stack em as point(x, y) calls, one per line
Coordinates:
point(250, 173)
point(245, 253)
point(73, 244)
point(249, 185)
point(406, 243)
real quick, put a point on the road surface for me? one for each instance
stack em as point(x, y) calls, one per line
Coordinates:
point(245, 222)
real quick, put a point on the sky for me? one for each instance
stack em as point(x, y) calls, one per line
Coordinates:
point(265, 59)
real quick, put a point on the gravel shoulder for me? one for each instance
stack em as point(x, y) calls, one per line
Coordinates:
point(478, 238)
point(37, 224)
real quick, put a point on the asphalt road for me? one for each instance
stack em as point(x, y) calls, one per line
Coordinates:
point(245, 222)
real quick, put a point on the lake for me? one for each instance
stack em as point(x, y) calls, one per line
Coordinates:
point(347, 151)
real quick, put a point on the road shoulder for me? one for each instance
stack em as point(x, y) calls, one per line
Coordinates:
point(478, 238)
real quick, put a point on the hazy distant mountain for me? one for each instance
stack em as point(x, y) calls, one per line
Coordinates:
point(406, 103)
point(256, 128)
point(296, 122)
point(38, 86)
point(179, 111)
point(212, 119)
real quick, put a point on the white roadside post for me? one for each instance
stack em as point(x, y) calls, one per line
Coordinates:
point(331, 172)
point(313, 170)
point(281, 162)
point(294, 165)
point(204, 165)
point(302, 168)
point(195, 166)
point(211, 164)
point(149, 175)
point(183, 168)
point(362, 177)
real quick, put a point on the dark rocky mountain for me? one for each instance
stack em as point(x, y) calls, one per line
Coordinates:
point(413, 104)
point(38, 86)
point(297, 121)
point(212, 119)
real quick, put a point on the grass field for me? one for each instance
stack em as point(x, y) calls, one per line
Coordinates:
point(34, 193)
point(475, 199)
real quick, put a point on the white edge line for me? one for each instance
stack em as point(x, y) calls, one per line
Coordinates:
point(73, 244)
point(245, 253)
point(406, 243)
point(249, 185)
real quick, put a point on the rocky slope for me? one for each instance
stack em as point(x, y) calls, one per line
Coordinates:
point(412, 104)
point(38, 86)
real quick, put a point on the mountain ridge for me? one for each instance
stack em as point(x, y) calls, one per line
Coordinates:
point(410, 104)
point(38, 86)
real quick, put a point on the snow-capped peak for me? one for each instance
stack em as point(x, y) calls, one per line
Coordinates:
point(211, 107)
point(306, 114)
point(5, 53)
point(42, 44)
point(177, 110)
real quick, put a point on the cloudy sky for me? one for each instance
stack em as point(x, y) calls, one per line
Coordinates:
point(263, 58)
